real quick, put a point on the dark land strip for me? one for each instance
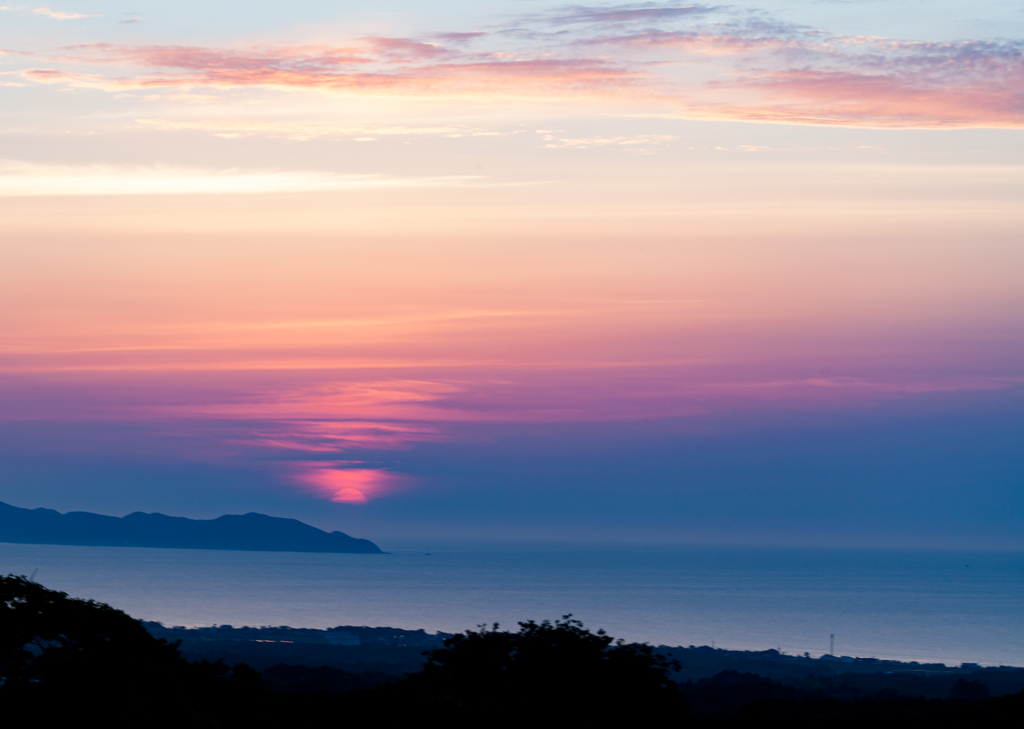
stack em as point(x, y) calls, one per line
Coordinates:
point(349, 657)
point(250, 532)
point(66, 661)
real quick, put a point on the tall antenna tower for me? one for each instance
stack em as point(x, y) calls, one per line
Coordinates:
point(831, 644)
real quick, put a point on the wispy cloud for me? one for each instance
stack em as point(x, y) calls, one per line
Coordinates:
point(369, 66)
point(61, 15)
point(371, 401)
point(22, 179)
point(699, 42)
point(630, 13)
point(695, 61)
point(338, 436)
point(808, 77)
point(838, 98)
point(300, 131)
point(635, 142)
point(461, 38)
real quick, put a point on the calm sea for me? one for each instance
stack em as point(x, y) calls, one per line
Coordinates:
point(927, 606)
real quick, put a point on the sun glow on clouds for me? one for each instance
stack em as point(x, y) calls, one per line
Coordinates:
point(340, 482)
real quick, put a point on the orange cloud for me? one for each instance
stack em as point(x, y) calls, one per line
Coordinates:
point(59, 15)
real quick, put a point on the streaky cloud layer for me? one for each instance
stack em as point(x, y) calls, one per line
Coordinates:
point(21, 179)
point(517, 269)
point(723, 65)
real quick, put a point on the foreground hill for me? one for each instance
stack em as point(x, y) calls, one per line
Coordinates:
point(251, 532)
point(67, 661)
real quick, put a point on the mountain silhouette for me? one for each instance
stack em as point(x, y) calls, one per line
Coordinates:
point(251, 532)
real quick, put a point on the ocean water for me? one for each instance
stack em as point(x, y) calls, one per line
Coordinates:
point(934, 606)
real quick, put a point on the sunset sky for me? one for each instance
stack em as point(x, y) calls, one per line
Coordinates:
point(745, 273)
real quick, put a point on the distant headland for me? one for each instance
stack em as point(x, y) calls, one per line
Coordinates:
point(247, 532)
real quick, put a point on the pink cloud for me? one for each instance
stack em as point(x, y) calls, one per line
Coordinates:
point(734, 70)
point(811, 79)
point(334, 436)
point(370, 400)
point(369, 65)
point(273, 420)
point(311, 58)
point(404, 48)
point(839, 98)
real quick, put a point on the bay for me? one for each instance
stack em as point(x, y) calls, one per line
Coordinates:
point(928, 606)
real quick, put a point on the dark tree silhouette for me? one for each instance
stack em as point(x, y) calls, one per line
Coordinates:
point(969, 690)
point(548, 670)
point(66, 659)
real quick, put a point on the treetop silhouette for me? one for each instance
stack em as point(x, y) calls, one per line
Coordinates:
point(548, 668)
